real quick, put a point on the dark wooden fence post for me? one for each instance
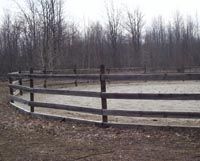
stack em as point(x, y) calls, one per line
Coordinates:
point(31, 86)
point(20, 83)
point(145, 68)
point(11, 89)
point(45, 81)
point(75, 72)
point(103, 89)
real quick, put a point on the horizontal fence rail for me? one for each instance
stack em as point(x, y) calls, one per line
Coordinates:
point(141, 68)
point(113, 77)
point(57, 76)
point(152, 114)
point(109, 112)
point(151, 96)
point(145, 96)
point(57, 91)
point(57, 106)
point(16, 80)
point(129, 77)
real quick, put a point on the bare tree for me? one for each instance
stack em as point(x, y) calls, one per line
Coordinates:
point(113, 31)
point(40, 36)
point(134, 24)
point(94, 45)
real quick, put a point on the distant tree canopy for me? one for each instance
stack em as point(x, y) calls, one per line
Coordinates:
point(41, 37)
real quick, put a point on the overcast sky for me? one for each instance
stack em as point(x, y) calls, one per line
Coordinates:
point(92, 10)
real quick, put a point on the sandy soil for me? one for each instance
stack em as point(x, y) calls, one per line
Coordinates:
point(136, 87)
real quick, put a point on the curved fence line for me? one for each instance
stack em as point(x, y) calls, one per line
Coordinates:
point(103, 78)
point(110, 77)
point(108, 70)
point(145, 96)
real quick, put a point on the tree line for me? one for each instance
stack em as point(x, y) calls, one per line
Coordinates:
point(40, 36)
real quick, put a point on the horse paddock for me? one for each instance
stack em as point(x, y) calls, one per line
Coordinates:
point(151, 101)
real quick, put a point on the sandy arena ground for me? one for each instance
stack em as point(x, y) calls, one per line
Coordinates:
point(135, 87)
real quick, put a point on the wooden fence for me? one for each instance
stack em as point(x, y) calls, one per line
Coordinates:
point(102, 77)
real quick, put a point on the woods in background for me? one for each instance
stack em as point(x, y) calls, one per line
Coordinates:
point(41, 37)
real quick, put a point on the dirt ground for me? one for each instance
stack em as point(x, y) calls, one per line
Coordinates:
point(23, 138)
